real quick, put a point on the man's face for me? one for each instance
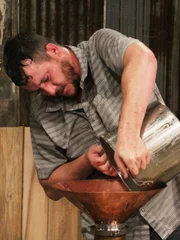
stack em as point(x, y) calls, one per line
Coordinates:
point(52, 78)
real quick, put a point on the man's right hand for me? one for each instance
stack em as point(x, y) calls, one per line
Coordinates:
point(78, 169)
point(99, 160)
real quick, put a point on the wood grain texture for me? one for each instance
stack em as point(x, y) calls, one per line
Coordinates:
point(64, 221)
point(44, 219)
point(35, 202)
point(11, 148)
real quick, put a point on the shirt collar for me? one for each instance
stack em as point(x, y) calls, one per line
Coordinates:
point(81, 56)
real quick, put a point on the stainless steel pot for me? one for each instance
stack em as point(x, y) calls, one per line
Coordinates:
point(161, 134)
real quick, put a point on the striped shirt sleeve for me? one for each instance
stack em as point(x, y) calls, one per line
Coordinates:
point(111, 47)
point(47, 155)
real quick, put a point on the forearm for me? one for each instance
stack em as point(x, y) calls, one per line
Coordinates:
point(80, 168)
point(138, 81)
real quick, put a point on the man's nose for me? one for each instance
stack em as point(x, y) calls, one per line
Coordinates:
point(49, 90)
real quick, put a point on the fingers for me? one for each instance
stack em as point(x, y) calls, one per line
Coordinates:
point(107, 169)
point(133, 167)
point(97, 149)
point(144, 161)
point(102, 160)
point(138, 163)
point(105, 166)
point(101, 163)
point(133, 164)
point(111, 172)
point(148, 158)
point(143, 164)
point(121, 166)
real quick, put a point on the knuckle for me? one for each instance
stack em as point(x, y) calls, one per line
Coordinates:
point(105, 168)
point(134, 170)
point(131, 160)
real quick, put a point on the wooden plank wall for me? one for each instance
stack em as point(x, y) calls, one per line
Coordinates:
point(11, 148)
point(44, 219)
point(26, 213)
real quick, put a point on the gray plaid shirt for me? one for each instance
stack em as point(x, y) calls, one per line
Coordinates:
point(63, 129)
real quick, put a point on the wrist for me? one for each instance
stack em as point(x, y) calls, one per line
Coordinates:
point(131, 119)
point(129, 129)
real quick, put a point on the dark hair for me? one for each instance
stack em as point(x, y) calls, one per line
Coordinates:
point(23, 46)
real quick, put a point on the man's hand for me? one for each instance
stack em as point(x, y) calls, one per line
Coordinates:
point(131, 154)
point(99, 160)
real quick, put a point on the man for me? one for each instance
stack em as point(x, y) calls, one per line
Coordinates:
point(80, 93)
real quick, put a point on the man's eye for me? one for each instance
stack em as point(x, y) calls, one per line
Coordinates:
point(45, 80)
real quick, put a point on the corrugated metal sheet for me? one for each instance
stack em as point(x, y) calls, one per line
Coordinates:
point(66, 21)
point(156, 23)
point(165, 42)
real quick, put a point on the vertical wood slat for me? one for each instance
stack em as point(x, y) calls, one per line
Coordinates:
point(11, 143)
point(35, 202)
point(63, 221)
point(44, 219)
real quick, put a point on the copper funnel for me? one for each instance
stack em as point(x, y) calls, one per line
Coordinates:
point(106, 201)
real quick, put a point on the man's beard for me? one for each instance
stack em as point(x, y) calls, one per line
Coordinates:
point(73, 77)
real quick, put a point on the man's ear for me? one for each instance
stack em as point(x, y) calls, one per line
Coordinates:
point(52, 49)
point(26, 62)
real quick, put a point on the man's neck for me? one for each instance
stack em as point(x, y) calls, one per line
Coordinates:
point(75, 61)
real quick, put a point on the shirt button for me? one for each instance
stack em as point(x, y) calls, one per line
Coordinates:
point(143, 210)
